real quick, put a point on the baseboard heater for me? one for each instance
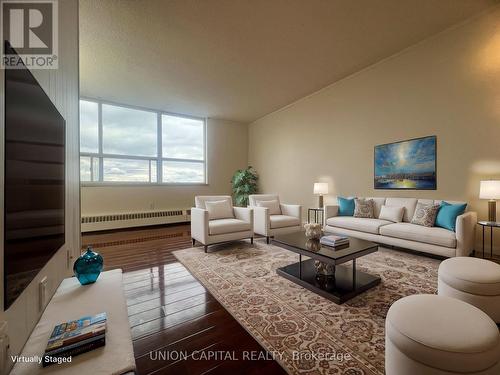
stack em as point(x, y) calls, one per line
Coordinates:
point(94, 223)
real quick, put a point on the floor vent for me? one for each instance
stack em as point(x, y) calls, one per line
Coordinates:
point(133, 219)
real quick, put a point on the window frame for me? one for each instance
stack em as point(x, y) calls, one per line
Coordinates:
point(159, 158)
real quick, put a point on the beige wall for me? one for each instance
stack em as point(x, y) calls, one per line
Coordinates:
point(448, 86)
point(227, 150)
point(62, 87)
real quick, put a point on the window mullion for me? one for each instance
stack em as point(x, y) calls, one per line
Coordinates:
point(99, 127)
point(91, 168)
point(205, 172)
point(149, 166)
point(185, 160)
point(159, 161)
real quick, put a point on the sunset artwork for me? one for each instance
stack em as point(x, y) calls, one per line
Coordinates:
point(407, 164)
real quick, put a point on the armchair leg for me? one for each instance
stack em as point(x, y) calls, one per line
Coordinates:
point(205, 248)
point(267, 240)
point(251, 240)
point(194, 241)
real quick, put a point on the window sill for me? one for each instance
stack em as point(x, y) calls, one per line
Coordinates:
point(139, 184)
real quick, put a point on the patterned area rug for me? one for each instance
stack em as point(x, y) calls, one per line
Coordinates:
point(305, 332)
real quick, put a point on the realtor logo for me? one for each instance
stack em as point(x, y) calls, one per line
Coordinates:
point(31, 29)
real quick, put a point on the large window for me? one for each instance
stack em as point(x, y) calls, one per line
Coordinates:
point(119, 144)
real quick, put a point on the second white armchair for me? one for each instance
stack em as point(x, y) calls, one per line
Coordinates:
point(272, 217)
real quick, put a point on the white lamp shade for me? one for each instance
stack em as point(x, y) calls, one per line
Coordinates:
point(320, 188)
point(489, 189)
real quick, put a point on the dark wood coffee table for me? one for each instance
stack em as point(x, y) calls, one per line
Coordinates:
point(334, 281)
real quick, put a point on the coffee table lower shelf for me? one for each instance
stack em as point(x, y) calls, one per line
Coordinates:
point(338, 289)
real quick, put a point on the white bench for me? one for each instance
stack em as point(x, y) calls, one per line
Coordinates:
point(73, 301)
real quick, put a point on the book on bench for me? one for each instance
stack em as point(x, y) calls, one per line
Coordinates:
point(334, 240)
point(75, 337)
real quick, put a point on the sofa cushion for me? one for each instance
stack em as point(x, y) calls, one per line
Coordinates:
point(471, 275)
point(200, 200)
point(272, 205)
point(447, 215)
point(359, 224)
point(394, 214)
point(408, 203)
point(414, 232)
point(439, 201)
point(364, 208)
point(377, 206)
point(219, 209)
point(253, 198)
point(346, 206)
point(427, 202)
point(425, 214)
point(222, 226)
point(282, 221)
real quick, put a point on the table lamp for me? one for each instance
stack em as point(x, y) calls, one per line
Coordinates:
point(320, 188)
point(490, 190)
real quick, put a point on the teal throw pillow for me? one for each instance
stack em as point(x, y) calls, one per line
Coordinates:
point(447, 215)
point(346, 206)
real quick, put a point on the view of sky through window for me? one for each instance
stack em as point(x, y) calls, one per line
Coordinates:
point(128, 131)
point(174, 171)
point(131, 149)
point(126, 170)
point(182, 138)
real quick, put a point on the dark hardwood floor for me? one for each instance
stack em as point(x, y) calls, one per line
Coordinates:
point(170, 312)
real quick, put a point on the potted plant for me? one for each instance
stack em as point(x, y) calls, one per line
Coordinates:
point(244, 183)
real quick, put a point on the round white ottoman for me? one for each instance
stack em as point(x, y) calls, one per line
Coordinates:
point(473, 280)
point(437, 335)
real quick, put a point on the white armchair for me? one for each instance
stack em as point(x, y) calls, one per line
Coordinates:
point(215, 220)
point(272, 217)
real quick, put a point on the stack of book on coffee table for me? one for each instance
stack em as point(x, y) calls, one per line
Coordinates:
point(334, 240)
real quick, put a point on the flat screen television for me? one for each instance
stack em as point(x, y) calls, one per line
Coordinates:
point(34, 180)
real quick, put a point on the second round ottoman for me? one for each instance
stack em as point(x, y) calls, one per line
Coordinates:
point(437, 335)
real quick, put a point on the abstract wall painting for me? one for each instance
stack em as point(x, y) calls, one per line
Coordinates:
point(409, 164)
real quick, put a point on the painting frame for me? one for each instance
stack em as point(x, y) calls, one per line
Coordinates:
point(432, 185)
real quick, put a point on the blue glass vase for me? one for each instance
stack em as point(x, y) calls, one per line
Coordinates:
point(88, 267)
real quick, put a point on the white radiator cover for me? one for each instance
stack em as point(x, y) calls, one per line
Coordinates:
point(91, 223)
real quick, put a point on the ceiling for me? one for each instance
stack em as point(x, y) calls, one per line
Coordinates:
point(241, 59)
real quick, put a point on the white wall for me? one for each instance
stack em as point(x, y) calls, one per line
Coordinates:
point(448, 86)
point(62, 87)
point(227, 151)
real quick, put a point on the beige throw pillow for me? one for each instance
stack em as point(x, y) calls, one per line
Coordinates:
point(364, 208)
point(273, 205)
point(425, 214)
point(392, 213)
point(219, 210)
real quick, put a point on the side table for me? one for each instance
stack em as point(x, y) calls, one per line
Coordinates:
point(317, 215)
point(491, 225)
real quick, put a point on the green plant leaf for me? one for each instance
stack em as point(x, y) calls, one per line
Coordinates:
point(244, 182)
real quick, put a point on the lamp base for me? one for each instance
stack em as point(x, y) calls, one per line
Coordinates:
point(492, 211)
point(320, 203)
